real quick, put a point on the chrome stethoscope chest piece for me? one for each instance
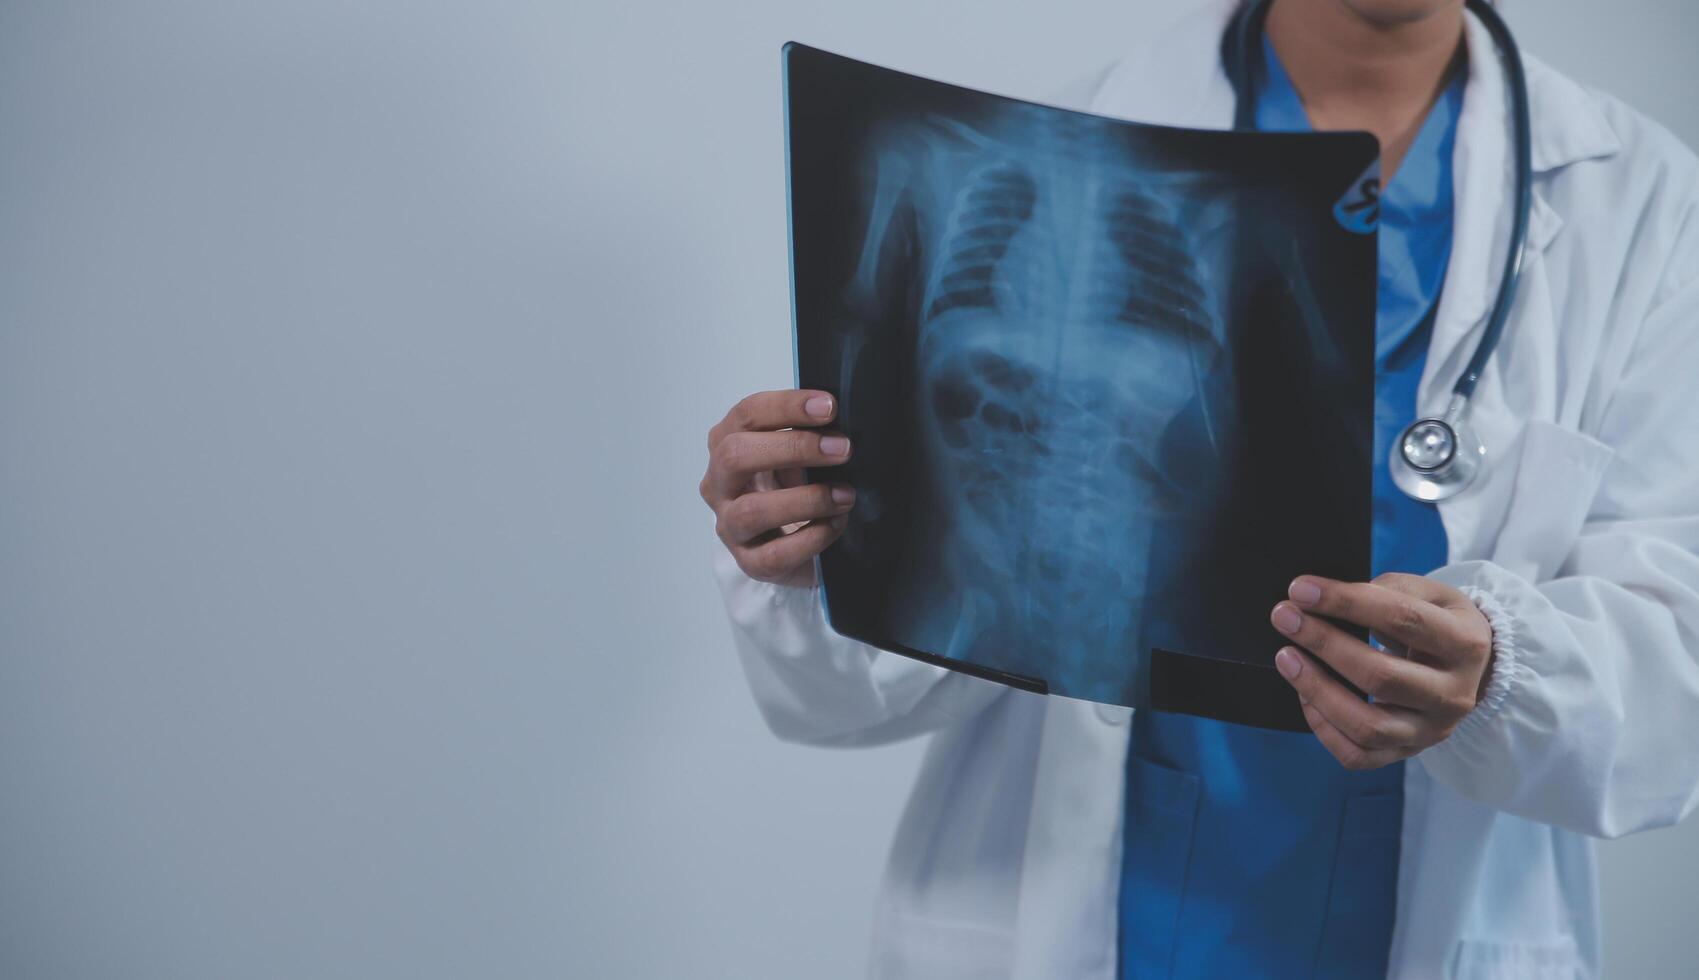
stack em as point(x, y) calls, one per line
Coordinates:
point(1436, 458)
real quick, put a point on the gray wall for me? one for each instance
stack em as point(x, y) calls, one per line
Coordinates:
point(355, 360)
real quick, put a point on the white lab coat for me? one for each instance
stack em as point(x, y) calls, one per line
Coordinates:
point(1580, 540)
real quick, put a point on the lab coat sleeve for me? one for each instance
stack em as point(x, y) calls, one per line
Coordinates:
point(1590, 720)
point(818, 687)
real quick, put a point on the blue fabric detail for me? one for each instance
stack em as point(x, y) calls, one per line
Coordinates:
point(1254, 853)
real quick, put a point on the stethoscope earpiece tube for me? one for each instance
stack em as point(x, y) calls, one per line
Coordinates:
point(1438, 456)
point(1522, 139)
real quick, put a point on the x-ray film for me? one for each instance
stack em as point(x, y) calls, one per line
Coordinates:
point(1109, 385)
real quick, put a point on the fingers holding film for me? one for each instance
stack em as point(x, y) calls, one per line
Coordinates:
point(1349, 753)
point(741, 455)
point(780, 555)
point(1387, 678)
point(1395, 607)
point(766, 411)
point(753, 514)
point(1372, 726)
point(773, 522)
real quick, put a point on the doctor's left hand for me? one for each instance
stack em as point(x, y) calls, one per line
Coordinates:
point(1437, 660)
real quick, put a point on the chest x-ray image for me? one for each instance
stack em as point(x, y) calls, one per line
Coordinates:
point(1110, 385)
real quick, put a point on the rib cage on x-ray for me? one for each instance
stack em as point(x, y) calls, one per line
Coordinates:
point(1073, 371)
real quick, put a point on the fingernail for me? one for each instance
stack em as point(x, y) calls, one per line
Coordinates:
point(843, 495)
point(834, 445)
point(1288, 664)
point(1303, 591)
point(820, 406)
point(1286, 619)
point(839, 521)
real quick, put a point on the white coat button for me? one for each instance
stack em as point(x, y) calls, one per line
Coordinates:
point(1113, 714)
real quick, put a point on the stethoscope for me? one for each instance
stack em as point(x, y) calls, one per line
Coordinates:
point(1436, 457)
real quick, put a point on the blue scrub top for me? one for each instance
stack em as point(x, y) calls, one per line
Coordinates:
point(1254, 853)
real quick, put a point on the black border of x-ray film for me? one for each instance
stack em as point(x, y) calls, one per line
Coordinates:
point(1189, 682)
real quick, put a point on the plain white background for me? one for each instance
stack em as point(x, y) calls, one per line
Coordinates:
point(355, 366)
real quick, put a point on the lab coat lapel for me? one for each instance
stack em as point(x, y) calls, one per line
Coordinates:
point(1567, 127)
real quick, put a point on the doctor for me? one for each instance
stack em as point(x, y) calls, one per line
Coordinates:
point(1550, 610)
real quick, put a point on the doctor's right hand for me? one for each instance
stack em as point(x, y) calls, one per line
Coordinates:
point(772, 522)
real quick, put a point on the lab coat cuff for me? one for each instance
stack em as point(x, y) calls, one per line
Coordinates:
point(1509, 669)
